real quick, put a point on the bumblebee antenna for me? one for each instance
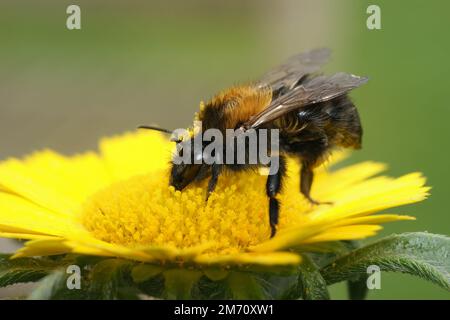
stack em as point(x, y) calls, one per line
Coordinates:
point(161, 130)
point(155, 129)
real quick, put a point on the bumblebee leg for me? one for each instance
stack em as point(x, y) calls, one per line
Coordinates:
point(215, 172)
point(273, 187)
point(306, 180)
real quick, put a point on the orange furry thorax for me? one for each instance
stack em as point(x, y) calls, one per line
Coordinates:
point(234, 106)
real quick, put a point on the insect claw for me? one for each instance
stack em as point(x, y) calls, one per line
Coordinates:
point(318, 203)
point(273, 230)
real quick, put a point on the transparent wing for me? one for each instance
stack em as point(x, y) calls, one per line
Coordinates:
point(311, 90)
point(295, 68)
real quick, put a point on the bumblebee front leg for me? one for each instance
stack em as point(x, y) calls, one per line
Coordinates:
point(273, 187)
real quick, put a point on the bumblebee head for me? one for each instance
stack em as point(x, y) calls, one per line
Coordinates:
point(186, 164)
point(182, 175)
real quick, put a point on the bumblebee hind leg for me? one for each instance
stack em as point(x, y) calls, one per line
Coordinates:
point(306, 179)
point(312, 153)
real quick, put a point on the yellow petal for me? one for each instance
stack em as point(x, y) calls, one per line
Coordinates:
point(328, 185)
point(375, 195)
point(53, 181)
point(288, 238)
point(16, 212)
point(42, 247)
point(172, 253)
point(268, 259)
point(135, 153)
point(25, 236)
point(82, 243)
point(376, 219)
point(345, 233)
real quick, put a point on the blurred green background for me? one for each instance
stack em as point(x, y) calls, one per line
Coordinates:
point(138, 62)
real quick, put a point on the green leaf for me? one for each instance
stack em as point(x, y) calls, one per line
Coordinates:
point(209, 289)
point(50, 286)
point(144, 272)
point(245, 285)
point(357, 289)
point(23, 269)
point(180, 282)
point(324, 253)
point(59, 285)
point(216, 274)
point(129, 293)
point(153, 287)
point(281, 287)
point(83, 260)
point(420, 254)
point(261, 269)
point(107, 278)
point(310, 281)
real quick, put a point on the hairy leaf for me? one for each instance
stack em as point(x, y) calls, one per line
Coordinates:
point(310, 281)
point(50, 286)
point(23, 269)
point(108, 277)
point(421, 254)
point(179, 283)
point(245, 285)
point(144, 272)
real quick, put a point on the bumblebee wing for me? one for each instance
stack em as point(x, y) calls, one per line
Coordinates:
point(295, 68)
point(311, 90)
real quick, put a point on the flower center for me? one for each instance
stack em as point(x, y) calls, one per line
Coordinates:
point(144, 210)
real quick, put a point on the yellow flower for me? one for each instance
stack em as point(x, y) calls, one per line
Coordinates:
point(118, 203)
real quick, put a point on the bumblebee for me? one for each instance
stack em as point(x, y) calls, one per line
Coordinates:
point(312, 112)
